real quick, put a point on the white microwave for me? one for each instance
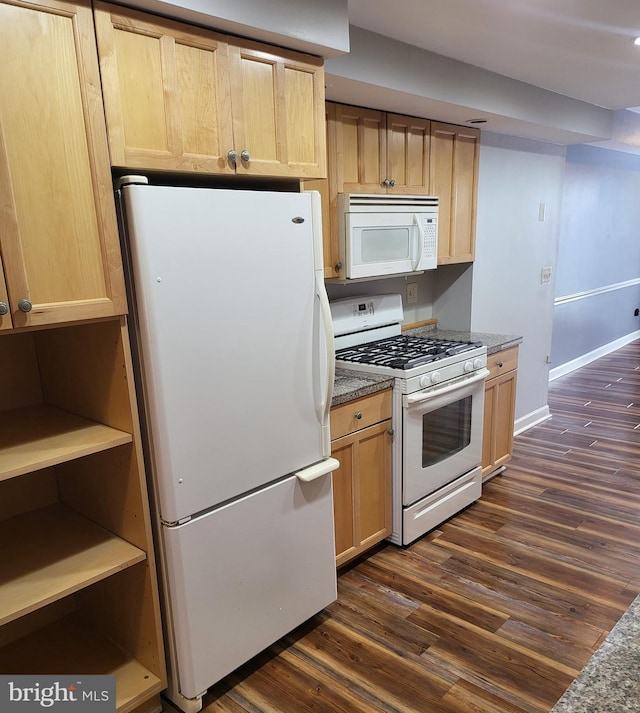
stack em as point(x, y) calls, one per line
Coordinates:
point(384, 235)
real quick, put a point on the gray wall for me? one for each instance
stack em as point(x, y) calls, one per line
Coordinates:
point(512, 247)
point(320, 28)
point(598, 276)
point(382, 73)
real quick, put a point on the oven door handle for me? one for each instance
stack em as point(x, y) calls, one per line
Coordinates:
point(425, 396)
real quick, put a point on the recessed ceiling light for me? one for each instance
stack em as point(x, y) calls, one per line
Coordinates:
point(636, 41)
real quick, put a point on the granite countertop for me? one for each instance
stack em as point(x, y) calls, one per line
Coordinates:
point(493, 342)
point(350, 385)
point(609, 683)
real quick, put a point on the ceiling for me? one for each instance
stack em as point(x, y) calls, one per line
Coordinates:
point(582, 49)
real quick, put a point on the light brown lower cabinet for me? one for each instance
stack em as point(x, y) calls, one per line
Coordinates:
point(499, 409)
point(361, 442)
point(78, 591)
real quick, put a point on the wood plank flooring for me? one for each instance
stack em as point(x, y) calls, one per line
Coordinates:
point(499, 609)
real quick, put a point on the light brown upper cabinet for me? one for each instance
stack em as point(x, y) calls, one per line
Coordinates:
point(378, 152)
point(58, 232)
point(372, 151)
point(453, 178)
point(182, 98)
point(369, 152)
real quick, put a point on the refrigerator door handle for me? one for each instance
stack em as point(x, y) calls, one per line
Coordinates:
point(317, 470)
point(326, 326)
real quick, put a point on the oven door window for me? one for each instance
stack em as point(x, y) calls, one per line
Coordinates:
point(441, 440)
point(446, 431)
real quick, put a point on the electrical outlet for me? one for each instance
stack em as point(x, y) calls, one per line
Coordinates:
point(412, 293)
point(545, 275)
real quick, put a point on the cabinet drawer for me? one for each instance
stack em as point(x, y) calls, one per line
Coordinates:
point(360, 413)
point(502, 362)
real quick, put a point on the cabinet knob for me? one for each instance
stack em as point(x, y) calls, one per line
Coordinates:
point(389, 182)
point(4, 308)
point(500, 364)
point(25, 306)
point(232, 156)
point(358, 415)
point(338, 267)
point(245, 155)
point(391, 431)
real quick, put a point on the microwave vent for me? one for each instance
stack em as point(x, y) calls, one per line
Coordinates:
point(375, 201)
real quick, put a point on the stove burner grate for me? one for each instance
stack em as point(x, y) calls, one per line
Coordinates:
point(404, 352)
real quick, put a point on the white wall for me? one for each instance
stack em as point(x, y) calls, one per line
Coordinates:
point(512, 247)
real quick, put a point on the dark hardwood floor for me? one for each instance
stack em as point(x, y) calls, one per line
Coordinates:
point(500, 608)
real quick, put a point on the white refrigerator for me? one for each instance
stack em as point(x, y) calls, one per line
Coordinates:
point(234, 345)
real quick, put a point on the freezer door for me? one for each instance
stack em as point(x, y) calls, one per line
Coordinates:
point(242, 576)
point(231, 339)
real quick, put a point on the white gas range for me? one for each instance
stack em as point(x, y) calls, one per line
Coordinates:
point(438, 407)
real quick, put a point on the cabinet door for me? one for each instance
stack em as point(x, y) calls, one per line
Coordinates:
point(488, 425)
point(58, 229)
point(373, 495)
point(278, 112)
point(166, 92)
point(330, 248)
point(343, 510)
point(453, 177)
point(5, 319)
point(408, 142)
point(362, 490)
point(499, 416)
point(361, 150)
point(504, 417)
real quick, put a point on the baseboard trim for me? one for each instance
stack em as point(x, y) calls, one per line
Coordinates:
point(524, 423)
point(585, 359)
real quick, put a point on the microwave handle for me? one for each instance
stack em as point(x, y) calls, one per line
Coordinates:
point(419, 232)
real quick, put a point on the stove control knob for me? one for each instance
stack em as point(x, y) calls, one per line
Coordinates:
point(477, 363)
point(436, 377)
point(425, 381)
point(468, 366)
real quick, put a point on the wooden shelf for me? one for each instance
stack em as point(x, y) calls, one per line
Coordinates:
point(50, 553)
point(70, 646)
point(41, 436)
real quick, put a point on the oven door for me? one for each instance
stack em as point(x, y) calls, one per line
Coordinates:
point(441, 435)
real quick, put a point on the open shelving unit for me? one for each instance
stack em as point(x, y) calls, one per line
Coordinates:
point(68, 645)
point(54, 552)
point(78, 586)
point(54, 437)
